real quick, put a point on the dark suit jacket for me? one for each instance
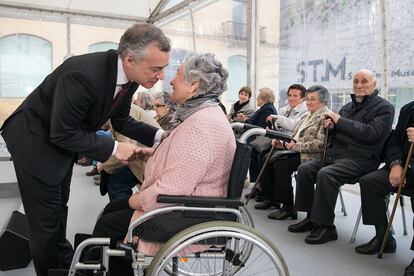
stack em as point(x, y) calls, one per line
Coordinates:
point(398, 146)
point(60, 117)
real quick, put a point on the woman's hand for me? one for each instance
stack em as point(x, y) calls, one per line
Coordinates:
point(289, 145)
point(143, 153)
point(133, 202)
point(241, 117)
point(271, 118)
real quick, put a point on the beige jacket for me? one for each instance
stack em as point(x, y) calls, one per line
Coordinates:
point(137, 167)
point(311, 139)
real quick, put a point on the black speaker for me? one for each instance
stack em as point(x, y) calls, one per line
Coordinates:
point(14, 243)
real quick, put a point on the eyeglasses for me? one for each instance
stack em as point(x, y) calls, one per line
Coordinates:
point(158, 105)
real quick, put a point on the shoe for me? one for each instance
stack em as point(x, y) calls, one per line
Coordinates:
point(322, 234)
point(94, 171)
point(283, 214)
point(409, 270)
point(84, 161)
point(373, 247)
point(301, 227)
point(266, 204)
point(259, 198)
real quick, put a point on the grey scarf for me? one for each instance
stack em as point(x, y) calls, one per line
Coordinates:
point(191, 106)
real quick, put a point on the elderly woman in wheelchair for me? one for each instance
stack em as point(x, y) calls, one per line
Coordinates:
point(187, 218)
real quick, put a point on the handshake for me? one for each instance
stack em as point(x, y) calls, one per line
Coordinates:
point(127, 152)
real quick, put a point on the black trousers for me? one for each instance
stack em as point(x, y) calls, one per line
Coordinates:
point(277, 181)
point(45, 204)
point(321, 201)
point(114, 224)
point(375, 186)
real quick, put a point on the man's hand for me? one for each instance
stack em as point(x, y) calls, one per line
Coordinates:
point(396, 175)
point(271, 118)
point(410, 134)
point(125, 152)
point(331, 118)
point(99, 166)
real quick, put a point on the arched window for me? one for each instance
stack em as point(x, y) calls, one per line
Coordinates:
point(237, 76)
point(25, 60)
point(102, 46)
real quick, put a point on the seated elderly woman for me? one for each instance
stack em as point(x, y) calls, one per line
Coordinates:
point(164, 109)
point(265, 101)
point(308, 141)
point(195, 159)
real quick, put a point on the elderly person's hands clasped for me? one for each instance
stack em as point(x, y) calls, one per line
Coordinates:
point(127, 152)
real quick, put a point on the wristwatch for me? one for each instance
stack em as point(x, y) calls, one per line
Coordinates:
point(395, 162)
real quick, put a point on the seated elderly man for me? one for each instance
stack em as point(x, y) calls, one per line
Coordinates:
point(289, 116)
point(164, 109)
point(309, 139)
point(376, 185)
point(195, 159)
point(357, 135)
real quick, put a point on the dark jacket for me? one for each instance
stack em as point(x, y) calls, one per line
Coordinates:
point(362, 130)
point(60, 117)
point(259, 117)
point(398, 146)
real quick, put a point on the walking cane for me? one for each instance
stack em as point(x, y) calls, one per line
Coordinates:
point(257, 183)
point(325, 147)
point(384, 241)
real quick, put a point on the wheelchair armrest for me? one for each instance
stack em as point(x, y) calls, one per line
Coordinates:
point(200, 201)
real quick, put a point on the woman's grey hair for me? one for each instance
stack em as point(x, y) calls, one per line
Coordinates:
point(267, 95)
point(136, 39)
point(321, 90)
point(208, 71)
point(164, 97)
point(144, 100)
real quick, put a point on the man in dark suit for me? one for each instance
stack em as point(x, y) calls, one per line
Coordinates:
point(358, 134)
point(376, 185)
point(59, 119)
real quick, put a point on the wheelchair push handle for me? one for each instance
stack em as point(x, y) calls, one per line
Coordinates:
point(273, 134)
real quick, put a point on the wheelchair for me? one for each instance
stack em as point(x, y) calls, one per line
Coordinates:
point(202, 236)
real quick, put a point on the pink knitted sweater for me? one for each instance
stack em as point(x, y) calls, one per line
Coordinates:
point(195, 159)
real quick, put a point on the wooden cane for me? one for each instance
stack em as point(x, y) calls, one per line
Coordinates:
point(257, 183)
point(407, 162)
point(325, 147)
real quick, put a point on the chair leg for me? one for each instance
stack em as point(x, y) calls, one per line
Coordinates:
point(387, 202)
point(356, 226)
point(342, 202)
point(403, 215)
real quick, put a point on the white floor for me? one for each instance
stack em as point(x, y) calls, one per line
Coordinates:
point(334, 258)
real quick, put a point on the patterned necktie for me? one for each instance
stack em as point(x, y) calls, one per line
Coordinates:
point(288, 112)
point(121, 93)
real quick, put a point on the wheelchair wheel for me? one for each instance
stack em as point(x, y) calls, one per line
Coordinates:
point(237, 250)
point(247, 218)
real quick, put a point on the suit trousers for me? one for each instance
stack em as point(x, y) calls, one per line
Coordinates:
point(375, 186)
point(45, 205)
point(321, 201)
point(277, 181)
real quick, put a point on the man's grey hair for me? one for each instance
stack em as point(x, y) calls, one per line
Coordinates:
point(208, 71)
point(321, 90)
point(164, 97)
point(368, 72)
point(136, 39)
